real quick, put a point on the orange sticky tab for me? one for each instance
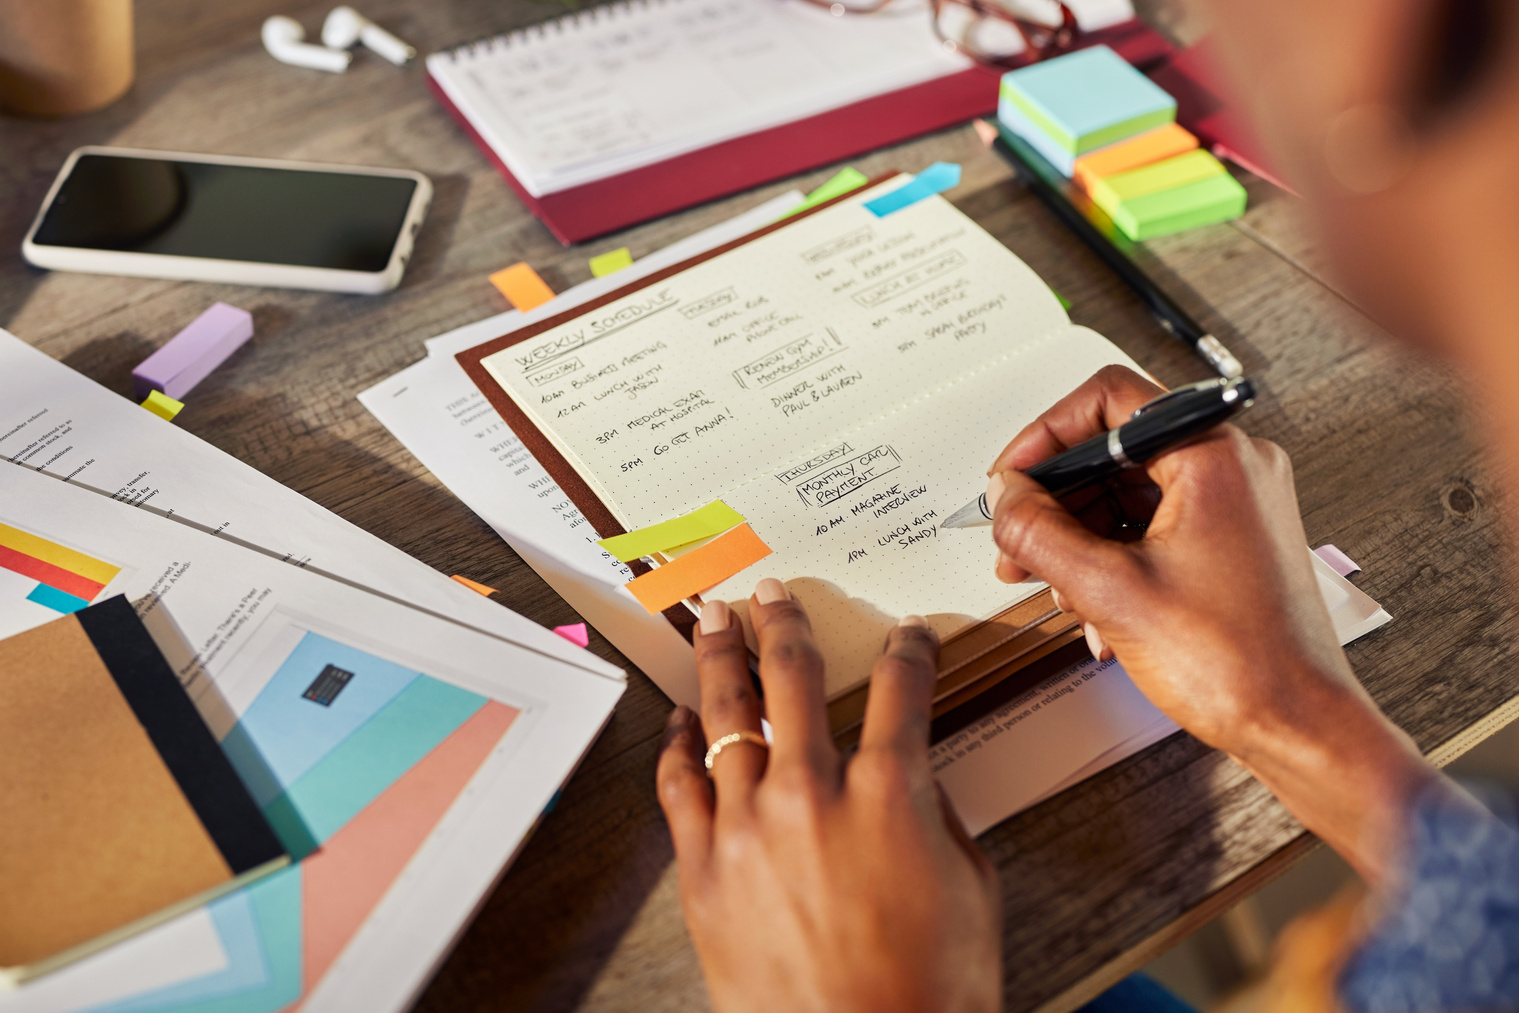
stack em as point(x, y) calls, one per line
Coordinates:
point(1150, 146)
point(699, 569)
point(475, 586)
point(522, 286)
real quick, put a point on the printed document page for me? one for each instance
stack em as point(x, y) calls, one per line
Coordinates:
point(267, 651)
point(843, 384)
point(61, 423)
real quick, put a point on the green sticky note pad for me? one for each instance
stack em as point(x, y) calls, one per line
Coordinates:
point(843, 181)
point(1215, 199)
point(610, 263)
point(1086, 99)
point(1164, 175)
point(712, 519)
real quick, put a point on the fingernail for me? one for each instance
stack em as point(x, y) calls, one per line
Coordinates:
point(1000, 568)
point(769, 591)
point(1095, 643)
point(995, 487)
point(913, 621)
point(714, 617)
point(1060, 602)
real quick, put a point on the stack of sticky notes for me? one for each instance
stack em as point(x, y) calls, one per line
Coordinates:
point(1095, 118)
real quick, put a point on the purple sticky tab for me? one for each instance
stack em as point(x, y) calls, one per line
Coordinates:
point(191, 355)
point(1337, 560)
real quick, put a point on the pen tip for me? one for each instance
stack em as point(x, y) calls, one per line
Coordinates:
point(965, 517)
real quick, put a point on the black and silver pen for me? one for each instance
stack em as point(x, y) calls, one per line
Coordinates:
point(1169, 420)
point(1036, 174)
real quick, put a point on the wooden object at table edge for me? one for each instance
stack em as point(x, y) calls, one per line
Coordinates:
point(1137, 956)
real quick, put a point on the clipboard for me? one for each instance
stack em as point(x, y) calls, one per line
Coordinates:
point(974, 659)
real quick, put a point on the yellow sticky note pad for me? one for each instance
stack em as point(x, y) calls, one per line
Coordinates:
point(522, 286)
point(712, 519)
point(611, 263)
point(698, 569)
point(162, 405)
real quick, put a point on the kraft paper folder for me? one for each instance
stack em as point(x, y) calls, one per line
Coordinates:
point(606, 205)
point(982, 644)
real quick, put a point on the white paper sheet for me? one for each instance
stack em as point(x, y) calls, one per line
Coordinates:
point(1080, 721)
point(187, 947)
point(57, 421)
point(442, 418)
point(220, 613)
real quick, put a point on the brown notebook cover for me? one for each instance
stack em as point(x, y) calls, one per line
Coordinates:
point(975, 658)
point(119, 808)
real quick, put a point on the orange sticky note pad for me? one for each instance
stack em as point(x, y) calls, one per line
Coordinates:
point(1150, 146)
point(475, 585)
point(699, 569)
point(522, 286)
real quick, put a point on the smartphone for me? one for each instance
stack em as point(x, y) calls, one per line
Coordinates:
point(249, 221)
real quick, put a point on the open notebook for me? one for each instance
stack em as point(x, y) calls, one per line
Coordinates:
point(841, 380)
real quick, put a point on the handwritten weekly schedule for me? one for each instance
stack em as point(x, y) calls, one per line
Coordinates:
point(843, 384)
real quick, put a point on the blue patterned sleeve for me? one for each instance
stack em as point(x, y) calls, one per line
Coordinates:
point(1448, 938)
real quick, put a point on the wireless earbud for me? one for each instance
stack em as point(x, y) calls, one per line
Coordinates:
point(285, 39)
point(345, 26)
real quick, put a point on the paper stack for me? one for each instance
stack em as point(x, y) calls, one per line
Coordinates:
point(1096, 118)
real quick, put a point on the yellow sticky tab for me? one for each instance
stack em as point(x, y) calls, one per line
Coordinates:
point(611, 263)
point(698, 569)
point(475, 585)
point(522, 286)
point(712, 519)
point(162, 405)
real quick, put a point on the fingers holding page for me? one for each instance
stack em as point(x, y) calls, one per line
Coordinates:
point(729, 702)
point(685, 793)
point(791, 669)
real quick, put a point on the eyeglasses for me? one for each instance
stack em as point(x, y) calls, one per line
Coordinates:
point(989, 31)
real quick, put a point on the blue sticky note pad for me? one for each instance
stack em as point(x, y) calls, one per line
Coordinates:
point(1086, 99)
point(935, 179)
point(1012, 120)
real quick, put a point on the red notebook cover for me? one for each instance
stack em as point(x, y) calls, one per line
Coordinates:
point(617, 202)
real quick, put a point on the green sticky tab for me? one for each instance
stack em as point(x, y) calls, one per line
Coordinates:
point(610, 263)
point(1168, 174)
point(712, 519)
point(1215, 199)
point(1065, 303)
point(845, 180)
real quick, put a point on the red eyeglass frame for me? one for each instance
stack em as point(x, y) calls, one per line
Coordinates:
point(1043, 41)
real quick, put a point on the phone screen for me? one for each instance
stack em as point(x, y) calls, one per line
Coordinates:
point(303, 217)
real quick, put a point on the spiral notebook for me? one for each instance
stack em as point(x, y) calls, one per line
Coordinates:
point(631, 110)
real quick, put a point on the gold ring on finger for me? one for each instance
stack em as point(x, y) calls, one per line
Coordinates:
point(751, 737)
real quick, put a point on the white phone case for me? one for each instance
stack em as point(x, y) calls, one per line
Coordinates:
point(238, 272)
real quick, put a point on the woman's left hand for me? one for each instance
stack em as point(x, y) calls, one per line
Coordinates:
point(811, 882)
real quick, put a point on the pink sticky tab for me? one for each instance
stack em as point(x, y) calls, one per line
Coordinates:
point(190, 356)
point(1337, 560)
point(575, 633)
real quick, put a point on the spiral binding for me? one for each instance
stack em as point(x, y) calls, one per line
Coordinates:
point(576, 21)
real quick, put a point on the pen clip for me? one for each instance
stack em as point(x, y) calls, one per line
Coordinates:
point(1186, 388)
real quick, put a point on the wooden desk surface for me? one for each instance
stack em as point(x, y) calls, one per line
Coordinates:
point(1097, 879)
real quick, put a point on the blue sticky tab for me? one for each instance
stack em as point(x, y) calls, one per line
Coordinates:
point(935, 179)
point(56, 600)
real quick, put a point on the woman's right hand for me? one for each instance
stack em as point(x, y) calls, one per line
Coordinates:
point(1215, 613)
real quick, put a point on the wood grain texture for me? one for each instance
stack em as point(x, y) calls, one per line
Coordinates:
point(1387, 468)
